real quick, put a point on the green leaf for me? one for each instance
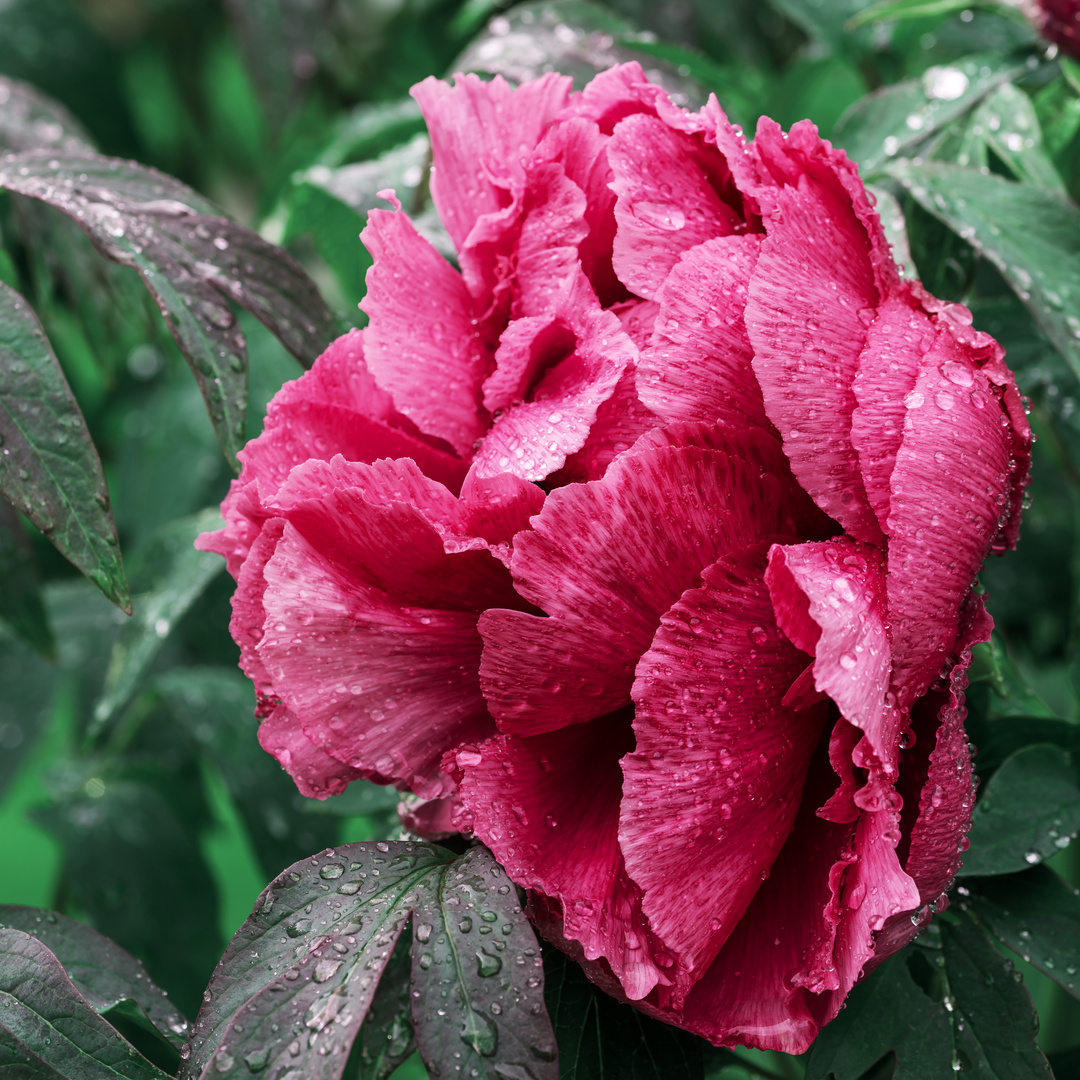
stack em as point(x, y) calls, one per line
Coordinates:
point(888, 1011)
point(21, 606)
point(386, 1035)
point(216, 706)
point(947, 1005)
point(28, 684)
point(991, 663)
point(370, 130)
point(31, 121)
point(47, 1028)
point(1031, 234)
point(895, 226)
point(102, 972)
point(895, 120)
point(180, 575)
point(914, 9)
point(1027, 811)
point(301, 974)
point(194, 262)
point(824, 20)
point(1010, 126)
point(137, 871)
point(1037, 914)
point(49, 468)
point(600, 1037)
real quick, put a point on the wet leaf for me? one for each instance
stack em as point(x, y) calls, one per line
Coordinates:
point(1037, 914)
point(135, 867)
point(386, 1035)
point(948, 1004)
point(21, 606)
point(991, 663)
point(1027, 811)
point(216, 706)
point(49, 468)
point(31, 121)
point(1031, 234)
point(47, 1028)
point(300, 975)
point(599, 1036)
point(194, 262)
point(894, 121)
point(1008, 123)
point(28, 684)
point(180, 575)
point(895, 226)
point(102, 972)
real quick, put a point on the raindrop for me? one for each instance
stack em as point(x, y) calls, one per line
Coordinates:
point(487, 965)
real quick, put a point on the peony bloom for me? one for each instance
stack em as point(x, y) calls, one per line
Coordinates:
point(1058, 21)
point(642, 545)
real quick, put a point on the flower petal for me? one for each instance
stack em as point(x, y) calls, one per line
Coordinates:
point(421, 344)
point(548, 807)
point(830, 601)
point(477, 133)
point(950, 491)
point(712, 788)
point(698, 365)
point(667, 184)
point(316, 774)
point(603, 555)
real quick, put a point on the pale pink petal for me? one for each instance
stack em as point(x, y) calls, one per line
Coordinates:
point(548, 807)
point(667, 184)
point(378, 681)
point(950, 498)
point(830, 601)
point(479, 134)
point(897, 339)
point(730, 759)
point(601, 557)
point(698, 365)
point(316, 774)
point(421, 344)
point(614, 94)
point(812, 295)
point(433, 819)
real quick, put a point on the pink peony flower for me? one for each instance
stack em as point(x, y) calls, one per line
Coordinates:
point(1058, 21)
point(643, 546)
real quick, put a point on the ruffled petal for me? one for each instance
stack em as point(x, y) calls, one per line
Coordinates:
point(667, 185)
point(548, 807)
point(379, 683)
point(698, 365)
point(830, 601)
point(897, 339)
point(573, 361)
point(602, 555)
point(712, 789)
point(421, 344)
point(950, 498)
point(316, 774)
point(478, 130)
point(747, 996)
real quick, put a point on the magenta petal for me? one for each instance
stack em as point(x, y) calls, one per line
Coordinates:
point(947, 506)
point(548, 807)
point(830, 600)
point(730, 760)
point(666, 183)
point(574, 361)
point(596, 560)
point(497, 508)
point(896, 341)
point(478, 131)
point(380, 684)
point(747, 996)
point(812, 296)
point(698, 366)
point(421, 334)
point(249, 615)
point(316, 774)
